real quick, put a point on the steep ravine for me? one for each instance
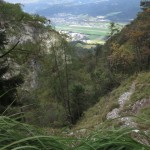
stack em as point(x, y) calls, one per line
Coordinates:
point(131, 98)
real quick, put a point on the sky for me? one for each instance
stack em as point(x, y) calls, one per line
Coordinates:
point(22, 1)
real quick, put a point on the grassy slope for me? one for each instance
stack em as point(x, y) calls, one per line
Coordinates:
point(97, 114)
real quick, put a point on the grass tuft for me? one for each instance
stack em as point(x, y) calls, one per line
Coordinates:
point(18, 136)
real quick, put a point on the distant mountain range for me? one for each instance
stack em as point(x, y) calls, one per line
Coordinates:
point(124, 10)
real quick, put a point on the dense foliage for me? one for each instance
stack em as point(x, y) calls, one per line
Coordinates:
point(129, 50)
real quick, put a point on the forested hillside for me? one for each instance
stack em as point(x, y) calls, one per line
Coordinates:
point(128, 61)
point(100, 97)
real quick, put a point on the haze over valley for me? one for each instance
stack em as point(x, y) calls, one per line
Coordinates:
point(82, 20)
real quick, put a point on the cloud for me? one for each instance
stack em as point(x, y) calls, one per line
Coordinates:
point(22, 1)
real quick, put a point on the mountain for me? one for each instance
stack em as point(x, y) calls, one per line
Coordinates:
point(44, 4)
point(124, 10)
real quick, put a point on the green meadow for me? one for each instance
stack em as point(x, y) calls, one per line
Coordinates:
point(84, 30)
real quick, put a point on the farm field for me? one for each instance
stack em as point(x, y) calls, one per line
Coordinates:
point(88, 33)
point(85, 30)
point(91, 34)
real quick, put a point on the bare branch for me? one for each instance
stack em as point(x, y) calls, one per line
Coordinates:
point(9, 51)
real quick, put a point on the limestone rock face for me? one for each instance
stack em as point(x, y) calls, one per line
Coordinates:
point(140, 104)
point(113, 114)
point(127, 121)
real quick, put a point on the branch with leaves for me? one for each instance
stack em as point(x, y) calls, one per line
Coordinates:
point(10, 50)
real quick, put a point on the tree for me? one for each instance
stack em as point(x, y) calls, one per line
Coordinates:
point(121, 58)
point(114, 28)
point(8, 83)
point(78, 101)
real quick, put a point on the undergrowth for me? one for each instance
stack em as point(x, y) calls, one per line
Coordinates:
point(18, 136)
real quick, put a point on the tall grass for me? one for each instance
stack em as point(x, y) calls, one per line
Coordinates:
point(18, 136)
point(120, 139)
